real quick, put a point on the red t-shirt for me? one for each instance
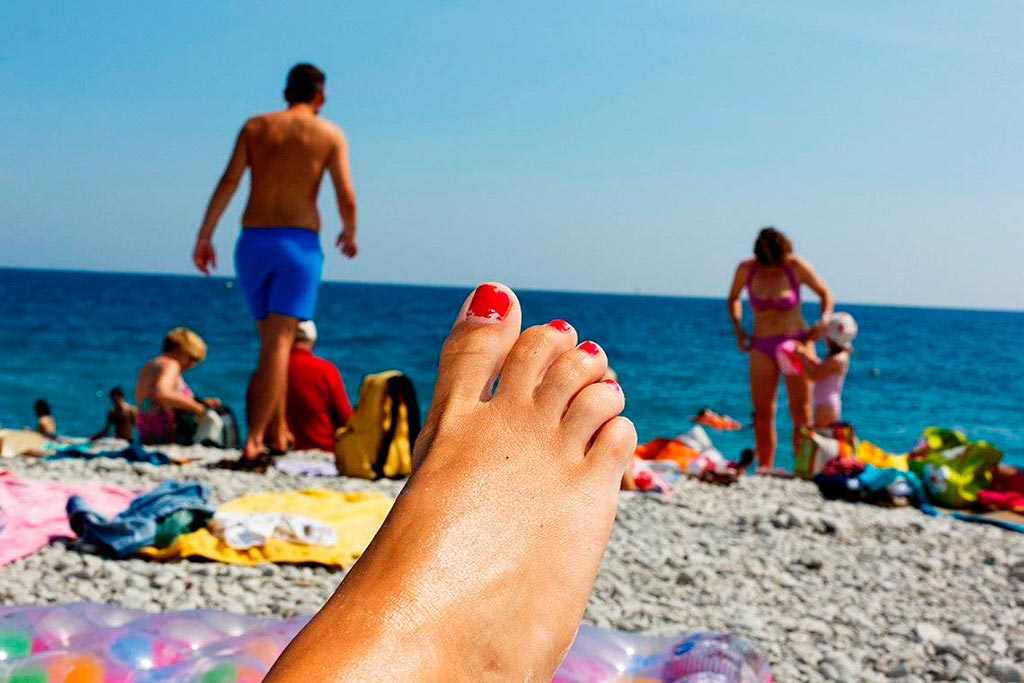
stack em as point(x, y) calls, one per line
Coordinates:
point(317, 403)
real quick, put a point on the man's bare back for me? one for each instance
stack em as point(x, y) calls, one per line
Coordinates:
point(288, 152)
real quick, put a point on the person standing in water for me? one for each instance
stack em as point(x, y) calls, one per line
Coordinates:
point(278, 259)
point(773, 278)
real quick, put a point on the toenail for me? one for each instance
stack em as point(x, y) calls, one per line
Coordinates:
point(490, 303)
point(613, 384)
point(560, 325)
point(589, 348)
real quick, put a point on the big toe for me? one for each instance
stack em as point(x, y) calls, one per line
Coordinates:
point(472, 356)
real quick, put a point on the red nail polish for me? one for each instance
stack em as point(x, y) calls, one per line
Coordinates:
point(612, 383)
point(560, 325)
point(589, 348)
point(489, 302)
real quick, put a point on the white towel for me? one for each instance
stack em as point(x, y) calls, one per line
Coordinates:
point(244, 530)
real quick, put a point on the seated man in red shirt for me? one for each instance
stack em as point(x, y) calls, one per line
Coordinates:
point(316, 403)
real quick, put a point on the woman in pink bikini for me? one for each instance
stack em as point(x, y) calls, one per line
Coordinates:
point(773, 279)
point(161, 393)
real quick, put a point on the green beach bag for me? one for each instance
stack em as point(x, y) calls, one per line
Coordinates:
point(939, 439)
point(954, 472)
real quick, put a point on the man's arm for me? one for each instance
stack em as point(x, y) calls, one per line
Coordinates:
point(204, 256)
point(341, 176)
point(106, 428)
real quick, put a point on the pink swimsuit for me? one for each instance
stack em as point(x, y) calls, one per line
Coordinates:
point(158, 424)
point(787, 302)
point(828, 391)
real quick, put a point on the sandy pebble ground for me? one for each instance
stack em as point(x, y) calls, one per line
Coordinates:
point(830, 591)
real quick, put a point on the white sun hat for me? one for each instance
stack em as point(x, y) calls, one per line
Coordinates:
point(842, 328)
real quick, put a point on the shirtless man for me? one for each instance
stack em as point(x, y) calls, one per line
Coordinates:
point(122, 416)
point(278, 259)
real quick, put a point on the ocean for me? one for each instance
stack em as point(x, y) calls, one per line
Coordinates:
point(70, 336)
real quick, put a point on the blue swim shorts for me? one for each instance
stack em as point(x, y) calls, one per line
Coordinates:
point(279, 270)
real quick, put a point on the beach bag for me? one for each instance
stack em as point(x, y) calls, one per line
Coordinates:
point(819, 445)
point(217, 428)
point(186, 425)
point(378, 439)
point(934, 439)
point(952, 477)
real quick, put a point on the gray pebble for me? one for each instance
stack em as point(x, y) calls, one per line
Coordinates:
point(837, 668)
point(928, 633)
point(899, 670)
point(826, 590)
point(1005, 671)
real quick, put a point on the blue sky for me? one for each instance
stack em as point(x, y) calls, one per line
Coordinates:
point(575, 145)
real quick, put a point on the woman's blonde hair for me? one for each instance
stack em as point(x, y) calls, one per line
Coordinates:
point(184, 339)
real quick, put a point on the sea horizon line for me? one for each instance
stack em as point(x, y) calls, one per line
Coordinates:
point(450, 286)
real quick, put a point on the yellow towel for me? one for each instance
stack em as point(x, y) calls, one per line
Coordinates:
point(355, 516)
point(871, 454)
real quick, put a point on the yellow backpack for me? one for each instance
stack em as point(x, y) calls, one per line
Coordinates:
point(378, 439)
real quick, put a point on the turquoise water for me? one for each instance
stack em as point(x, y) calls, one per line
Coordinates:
point(69, 336)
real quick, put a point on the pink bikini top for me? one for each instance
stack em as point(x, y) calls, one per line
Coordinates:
point(786, 302)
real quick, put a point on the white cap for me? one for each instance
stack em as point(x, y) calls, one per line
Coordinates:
point(306, 332)
point(842, 328)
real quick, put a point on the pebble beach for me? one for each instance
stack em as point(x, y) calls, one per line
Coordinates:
point(829, 591)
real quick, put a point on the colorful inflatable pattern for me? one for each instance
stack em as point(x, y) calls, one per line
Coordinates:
point(953, 469)
point(605, 656)
point(91, 643)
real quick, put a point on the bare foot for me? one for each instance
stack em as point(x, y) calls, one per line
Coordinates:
point(279, 445)
point(484, 566)
point(253, 448)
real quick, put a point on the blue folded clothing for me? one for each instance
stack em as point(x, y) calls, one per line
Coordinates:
point(137, 526)
point(133, 453)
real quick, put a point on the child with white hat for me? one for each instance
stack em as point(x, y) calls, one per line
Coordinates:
point(829, 374)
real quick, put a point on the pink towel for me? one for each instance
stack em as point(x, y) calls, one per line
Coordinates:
point(33, 511)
